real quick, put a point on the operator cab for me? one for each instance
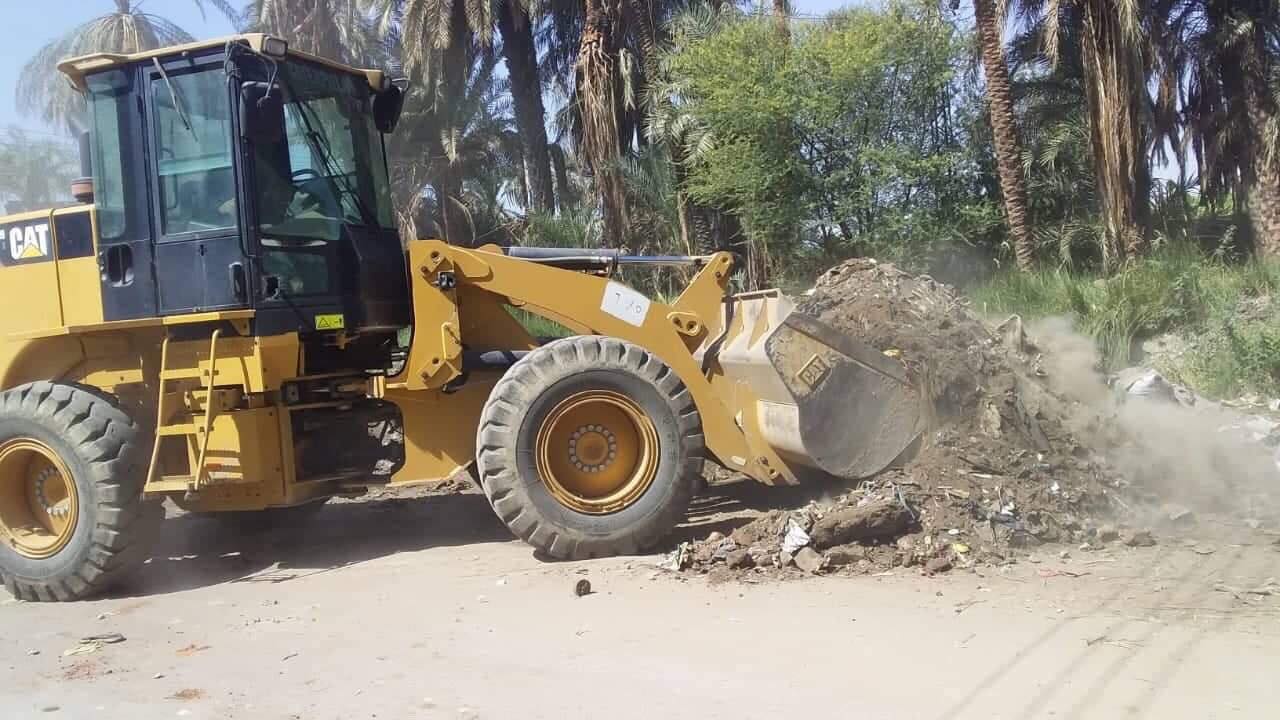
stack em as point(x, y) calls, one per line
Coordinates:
point(236, 174)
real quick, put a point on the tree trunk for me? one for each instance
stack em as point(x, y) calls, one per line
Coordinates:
point(1115, 88)
point(686, 227)
point(597, 94)
point(1264, 201)
point(683, 210)
point(782, 17)
point(453, 86)
point(521, 56)
point(564, 191)
point(1266, 210)
point(1005, 131)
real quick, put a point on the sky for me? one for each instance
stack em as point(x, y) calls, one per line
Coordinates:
point(30, 24)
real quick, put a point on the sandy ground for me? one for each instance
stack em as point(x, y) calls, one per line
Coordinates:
point(425, 608)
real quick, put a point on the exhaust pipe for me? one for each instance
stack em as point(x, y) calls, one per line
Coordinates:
point(82, 187)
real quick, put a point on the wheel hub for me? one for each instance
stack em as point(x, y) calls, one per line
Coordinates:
point(39, 504)
point(597, 452)
point(48, 486)
point(592, 448)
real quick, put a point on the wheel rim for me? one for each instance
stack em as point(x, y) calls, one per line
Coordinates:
point(39, 505)
point(597, 452)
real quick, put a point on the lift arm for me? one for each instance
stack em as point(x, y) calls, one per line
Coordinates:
point(585, 302)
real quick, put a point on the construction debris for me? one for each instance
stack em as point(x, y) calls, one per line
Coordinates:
point(843, 555)
point(739, 560)
point(860, 523)
point(937, 565)
point(1140, 538)
point(93, 643)
point(1027, 444)
point(795, 537)
point(998, 470)
point(1149, 384)
point(678, 559)
point(808, 560)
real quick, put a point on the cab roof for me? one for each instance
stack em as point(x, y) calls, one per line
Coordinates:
point(77, 68)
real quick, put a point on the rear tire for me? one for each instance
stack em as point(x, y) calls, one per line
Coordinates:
point(73, 447)
point(590, 446)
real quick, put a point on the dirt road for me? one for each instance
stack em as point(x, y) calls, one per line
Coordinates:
point(424, 608)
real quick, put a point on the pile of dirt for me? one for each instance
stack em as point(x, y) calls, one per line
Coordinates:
point(999, 469)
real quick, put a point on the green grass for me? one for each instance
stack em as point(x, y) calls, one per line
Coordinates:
point(1176, 290)
point(538, 326)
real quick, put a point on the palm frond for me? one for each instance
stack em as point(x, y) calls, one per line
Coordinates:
point(42, 89)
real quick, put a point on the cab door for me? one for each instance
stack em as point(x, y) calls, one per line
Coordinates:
point(199, 260)
point(122, 181)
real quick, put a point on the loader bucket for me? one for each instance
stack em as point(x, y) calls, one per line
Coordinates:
point(824, 400)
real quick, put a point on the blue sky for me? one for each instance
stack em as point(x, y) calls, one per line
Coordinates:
point(29, 24)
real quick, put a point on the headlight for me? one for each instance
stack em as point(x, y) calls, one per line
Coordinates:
point(275, 47)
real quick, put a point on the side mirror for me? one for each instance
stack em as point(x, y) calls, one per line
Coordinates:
point(261, 112)
point(387, 106)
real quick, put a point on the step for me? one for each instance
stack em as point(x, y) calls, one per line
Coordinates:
point(182, 374)
point(170, 483)
point(180, 429)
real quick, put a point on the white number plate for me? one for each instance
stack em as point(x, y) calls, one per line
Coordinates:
point(625, 304)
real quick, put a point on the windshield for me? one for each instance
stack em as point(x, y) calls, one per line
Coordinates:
point(328, 168)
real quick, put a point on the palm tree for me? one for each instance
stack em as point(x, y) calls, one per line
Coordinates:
point(1116, 62)
point(435, 32)
point(34, 173)
point(435, 39)
point(601, 53)
point(1225, 49)
point(1250, 26)
point(1004, 130)
point(515, 25)
point(1062, 191)
point(41, 88)
point(596, 80)
point(469, 140)
point(336, 29)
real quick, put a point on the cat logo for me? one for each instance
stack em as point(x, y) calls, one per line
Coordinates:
point(26, 242)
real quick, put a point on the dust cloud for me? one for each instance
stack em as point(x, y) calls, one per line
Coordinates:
point(1176, 447)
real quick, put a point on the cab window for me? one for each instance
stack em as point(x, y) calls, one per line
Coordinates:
point(193, 152)
point(108, 102)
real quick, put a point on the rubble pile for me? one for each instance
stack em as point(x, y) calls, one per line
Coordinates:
point(998, 471)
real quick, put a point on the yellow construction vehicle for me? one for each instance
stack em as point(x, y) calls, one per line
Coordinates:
point(220, 323)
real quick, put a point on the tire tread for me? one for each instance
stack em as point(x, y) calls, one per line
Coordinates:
point(496, 438)
point(107, 442)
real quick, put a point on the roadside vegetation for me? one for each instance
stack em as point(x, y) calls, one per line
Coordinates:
point(1217, 319)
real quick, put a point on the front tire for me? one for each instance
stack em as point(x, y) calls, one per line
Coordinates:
point(590, 446)
point(72, 518)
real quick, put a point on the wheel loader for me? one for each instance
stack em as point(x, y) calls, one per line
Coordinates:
point(221, 322)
